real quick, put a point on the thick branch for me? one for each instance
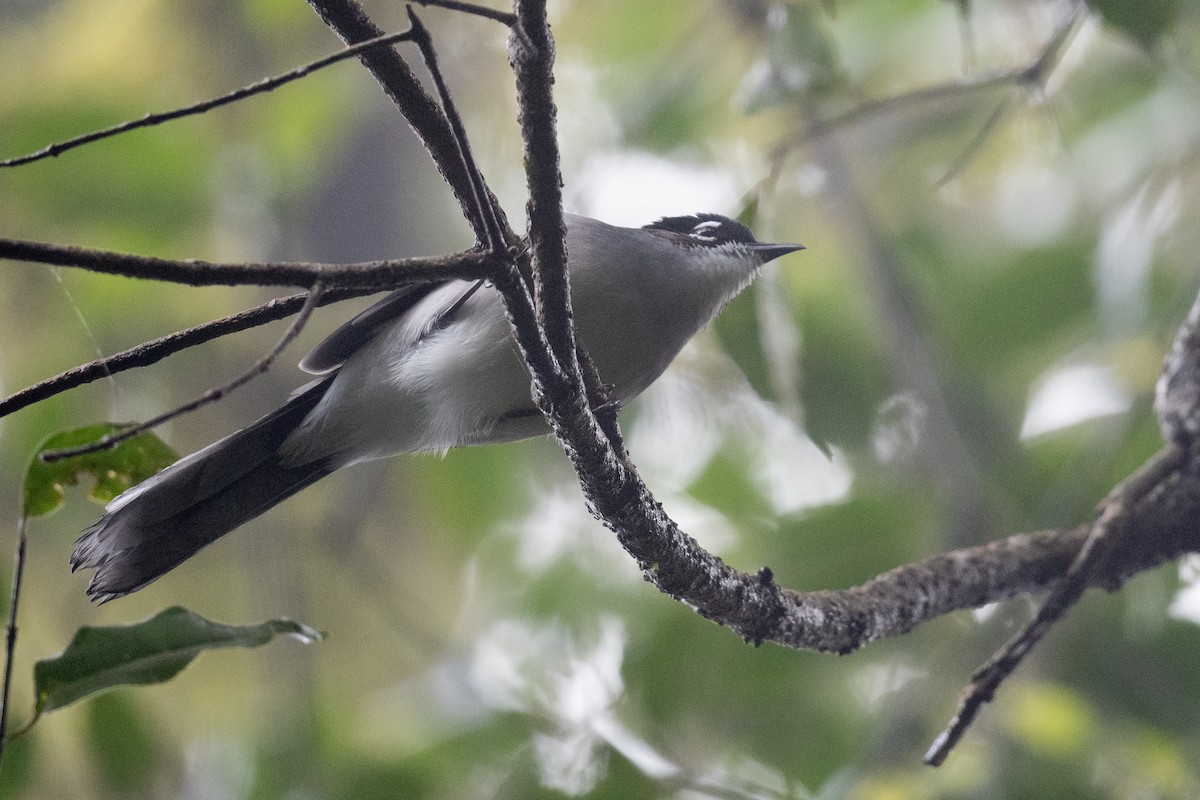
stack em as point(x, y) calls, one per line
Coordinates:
point(1162, 527)
point(560, 388)
point(1163, 524)
point(837, 621)
point(532, 57)
point(1177, 393)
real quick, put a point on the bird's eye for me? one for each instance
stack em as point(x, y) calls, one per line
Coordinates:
point(706, 231)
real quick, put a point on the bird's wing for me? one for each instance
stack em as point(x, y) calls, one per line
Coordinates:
point(333, 351)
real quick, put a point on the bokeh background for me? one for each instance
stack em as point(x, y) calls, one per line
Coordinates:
point(966, 350)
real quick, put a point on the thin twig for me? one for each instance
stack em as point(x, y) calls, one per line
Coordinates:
point(484, 204)
point(976, 144)
point(886, 105)
point(264, 85)
point(350, 22)
point(1037, 73)
point(471, 8)
point(155, 350)
point(10, 647)
point(1099, 544)
point(211, 396)
point(382, 274)
point(508, 275)
point(1033, 74)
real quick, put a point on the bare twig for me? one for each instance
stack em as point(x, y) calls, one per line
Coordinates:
point(976, 144)
point(10, 647)
point(1033, 74)
point(485, 205)
point(906, 100)
point(1177, 404)
point(750, 604)
point(1097, 547)
point(154, 351)
point(264, 85)
point(349, 21)
point(472, 8)
point(382, 274)
point(211, 396)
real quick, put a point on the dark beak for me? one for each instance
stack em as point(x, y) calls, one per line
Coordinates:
point(770, 252)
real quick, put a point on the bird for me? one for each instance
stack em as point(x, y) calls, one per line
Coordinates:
point(430, 367)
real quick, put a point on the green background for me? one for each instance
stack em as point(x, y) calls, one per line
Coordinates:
point(485, 637)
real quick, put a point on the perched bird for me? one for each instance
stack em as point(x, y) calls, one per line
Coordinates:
point(430, 367)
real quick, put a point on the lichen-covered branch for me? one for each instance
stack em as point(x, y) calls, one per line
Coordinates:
point(1161, 525)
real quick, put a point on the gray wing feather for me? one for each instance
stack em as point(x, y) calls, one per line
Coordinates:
point(166, 519)
point(343, 342)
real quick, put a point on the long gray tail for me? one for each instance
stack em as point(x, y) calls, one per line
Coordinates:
point(166, 519)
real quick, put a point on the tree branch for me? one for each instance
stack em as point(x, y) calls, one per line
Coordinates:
point(1033, 74)
point(378, 275)
point(265, 85)
point(154, 351)
point(1096, 549)
point(471, 8)
point(347, 19)
point(210, 396)
point(532, 58)
point(1160, 521)
point(1162, 525)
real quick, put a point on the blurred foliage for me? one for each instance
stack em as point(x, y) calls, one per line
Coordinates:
point(999, 262)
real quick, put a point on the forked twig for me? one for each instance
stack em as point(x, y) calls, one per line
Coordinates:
point(1099, 544)
point(151, 352)
point(472, 8)
point(1034, 74)
point(482, 200)
point(210, 396)
point(351, 23)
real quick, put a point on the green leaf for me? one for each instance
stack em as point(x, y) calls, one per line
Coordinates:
point(115, 469)
point(152, 651)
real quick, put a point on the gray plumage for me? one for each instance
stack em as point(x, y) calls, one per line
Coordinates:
point(428, 368)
